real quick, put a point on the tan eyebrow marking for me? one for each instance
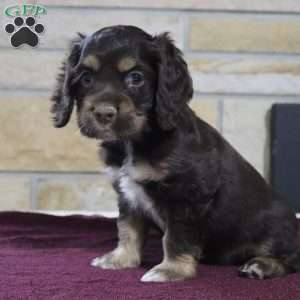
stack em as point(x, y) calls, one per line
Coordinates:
point(91, 61)
point(126, 63)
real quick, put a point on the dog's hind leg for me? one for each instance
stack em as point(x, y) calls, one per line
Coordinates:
point(263, 267)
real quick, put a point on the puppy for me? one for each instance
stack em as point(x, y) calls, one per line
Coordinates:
point(170, 169)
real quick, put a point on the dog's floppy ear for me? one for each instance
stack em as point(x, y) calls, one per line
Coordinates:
point(63, 101)
point(174, 86)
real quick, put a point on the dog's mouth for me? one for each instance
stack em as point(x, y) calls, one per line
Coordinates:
point(91, 130)
point(124, 127)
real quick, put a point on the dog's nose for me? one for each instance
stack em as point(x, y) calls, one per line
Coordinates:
point(104, 113)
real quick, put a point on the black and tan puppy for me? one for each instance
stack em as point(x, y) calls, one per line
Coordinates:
point(169, 167)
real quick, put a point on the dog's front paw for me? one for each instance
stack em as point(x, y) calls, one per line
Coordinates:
point(117, 259)
point(165, 272)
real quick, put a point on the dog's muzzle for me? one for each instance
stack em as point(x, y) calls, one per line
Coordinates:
point(103, 113)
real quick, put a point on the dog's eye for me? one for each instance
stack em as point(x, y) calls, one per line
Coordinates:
point(87, 79)
point(134, 78)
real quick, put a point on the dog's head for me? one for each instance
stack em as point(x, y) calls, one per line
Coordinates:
point(122, 81)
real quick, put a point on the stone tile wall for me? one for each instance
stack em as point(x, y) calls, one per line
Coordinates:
point(243, 56)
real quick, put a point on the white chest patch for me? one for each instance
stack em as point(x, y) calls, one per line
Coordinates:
point(133, 191)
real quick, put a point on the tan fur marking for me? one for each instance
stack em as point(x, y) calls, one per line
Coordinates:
point(181, 267)
point(129, 250)
point(142, 171)
point(126, 63)
point(91, 61)
point(275, 267)
point(184, 264)
point(263, 267)
point(126, 106)
point(172, 268)
point(139, 122)
point(130, 235)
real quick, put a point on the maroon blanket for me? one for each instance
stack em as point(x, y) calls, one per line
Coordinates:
point(46, 257)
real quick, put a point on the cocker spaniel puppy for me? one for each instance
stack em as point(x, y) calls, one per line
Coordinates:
point(170, 169)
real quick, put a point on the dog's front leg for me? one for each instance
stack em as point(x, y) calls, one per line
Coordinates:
point(131, 230)
point(180, 258)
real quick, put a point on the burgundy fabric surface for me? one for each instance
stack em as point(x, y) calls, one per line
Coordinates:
point(47, 257)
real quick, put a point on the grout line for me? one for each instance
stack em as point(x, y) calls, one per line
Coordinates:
point(189, 51)
point(45, 92)
point(33, 192)
point(38, 49)
point(239, 52)
point(171, 10)
point(63, 213)
point(185, 32)
point(271, 56)
point(221, 115)
point(107, 214)
point(55, 174)
point(198, 52)
point(240, 96)
point(20, 90)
